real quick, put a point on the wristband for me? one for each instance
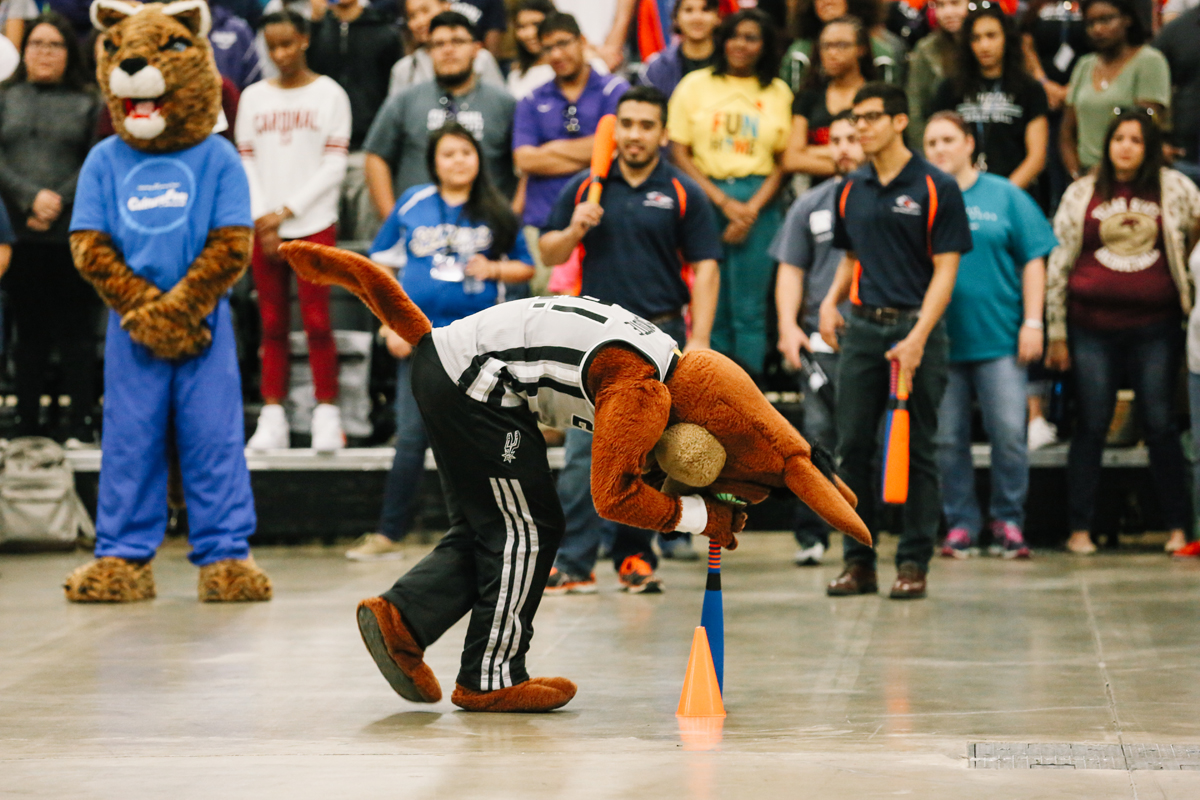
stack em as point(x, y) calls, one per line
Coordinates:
point(693, 514)
point(1036, 324)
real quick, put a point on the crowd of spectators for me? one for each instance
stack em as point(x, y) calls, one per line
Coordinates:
point(454, 130)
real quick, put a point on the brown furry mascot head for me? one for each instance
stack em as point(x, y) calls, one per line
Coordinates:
point(157, 72)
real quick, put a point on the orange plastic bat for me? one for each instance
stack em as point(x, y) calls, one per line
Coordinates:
point(895, 453)
point(602, 153)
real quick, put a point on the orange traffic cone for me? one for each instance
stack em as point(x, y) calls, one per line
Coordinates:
point(701, 696)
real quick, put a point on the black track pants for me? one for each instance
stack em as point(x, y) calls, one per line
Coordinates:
point(505, 527)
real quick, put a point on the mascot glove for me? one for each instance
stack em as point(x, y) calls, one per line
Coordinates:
point(167, 330)
point(723, 522)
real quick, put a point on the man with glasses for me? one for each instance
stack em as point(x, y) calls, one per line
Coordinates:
point(552, 132)
point(396, 143)
point(903, 225)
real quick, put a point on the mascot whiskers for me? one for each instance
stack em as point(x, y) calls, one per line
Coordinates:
point(162, 229)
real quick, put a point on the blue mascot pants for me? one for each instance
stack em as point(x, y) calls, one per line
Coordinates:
point(202, 398)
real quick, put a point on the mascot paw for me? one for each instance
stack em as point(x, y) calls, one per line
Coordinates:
point(169, 336)
point(110, 580)
point(233, 581)
point(533, 696)
point(723, 522)
point(396, 653)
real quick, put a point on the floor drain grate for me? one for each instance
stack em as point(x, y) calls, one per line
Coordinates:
point(1015, 755)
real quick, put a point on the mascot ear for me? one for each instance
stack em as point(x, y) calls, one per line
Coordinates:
point(106, 13)
point(193, 14)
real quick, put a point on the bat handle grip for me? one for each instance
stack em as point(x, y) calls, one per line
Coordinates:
point(714, 554)
point(593, 195)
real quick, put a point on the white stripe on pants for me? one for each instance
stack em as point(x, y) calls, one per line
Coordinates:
point(520, 559)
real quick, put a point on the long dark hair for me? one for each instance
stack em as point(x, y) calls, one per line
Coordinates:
point(1146, 180)
point(75, 76)
point(767, 67)
point(526, 59)
point(809, 25)
point(970, 76)
point(484, 204)
point(816, 78)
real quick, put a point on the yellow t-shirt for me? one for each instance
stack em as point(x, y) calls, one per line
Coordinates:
point(733, 125)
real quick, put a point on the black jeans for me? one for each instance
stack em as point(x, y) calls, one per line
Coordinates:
point(864, 377)
point(1149, 357)
point(52, 307)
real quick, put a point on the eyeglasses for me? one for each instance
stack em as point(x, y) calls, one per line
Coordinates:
point(870, 117)
point(558, 44)
point(836, 45)
point(46, 47)
point(457, 41)
point(571, 119)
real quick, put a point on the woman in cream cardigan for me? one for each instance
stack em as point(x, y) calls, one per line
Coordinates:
point(1118, 290)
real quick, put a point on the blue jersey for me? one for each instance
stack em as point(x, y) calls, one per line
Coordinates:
point(1008, 231)
point(431, 241)
point(160, 207)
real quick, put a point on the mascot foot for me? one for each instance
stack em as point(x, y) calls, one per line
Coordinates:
point(534, 695)
point(233, 581)
point(110, 580)
point(396, 653)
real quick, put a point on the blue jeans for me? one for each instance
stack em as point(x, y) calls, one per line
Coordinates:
point(820, 427)
point(403, 486)
point(1149, 356)
point(1000, 386)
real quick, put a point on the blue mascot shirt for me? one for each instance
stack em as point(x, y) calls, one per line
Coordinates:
point(159, 207)
point(431, 241)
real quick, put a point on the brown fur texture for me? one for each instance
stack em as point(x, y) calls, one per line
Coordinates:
point(173, 326)
point(110, 580)
point(192, 102)
point(633, 410)
point(536, 695)
point(392, 646)
point(233, 581)
point(374, 285)
point(103, 266)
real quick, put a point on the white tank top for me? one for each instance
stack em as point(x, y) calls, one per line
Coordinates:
point(536, 352)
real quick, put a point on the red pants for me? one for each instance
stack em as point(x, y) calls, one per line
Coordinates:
point(272, 279)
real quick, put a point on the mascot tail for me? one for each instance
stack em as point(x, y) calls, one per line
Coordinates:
point(374, 285)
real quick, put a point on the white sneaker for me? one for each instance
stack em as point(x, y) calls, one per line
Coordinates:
point(327, 432)
point(272, 432)
point(375, 547)
point(1041, 433)
point(809, 556)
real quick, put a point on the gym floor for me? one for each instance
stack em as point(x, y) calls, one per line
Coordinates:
point(857, 697)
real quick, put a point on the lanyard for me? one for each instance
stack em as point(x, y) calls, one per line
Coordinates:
point(443, 208)
point(982, 130)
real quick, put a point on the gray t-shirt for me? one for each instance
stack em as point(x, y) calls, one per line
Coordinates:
point(805, 240)
point(400, 132)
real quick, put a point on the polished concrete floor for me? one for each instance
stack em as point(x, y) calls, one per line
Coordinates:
point(857, 697)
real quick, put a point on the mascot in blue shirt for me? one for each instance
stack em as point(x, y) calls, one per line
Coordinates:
point(162, 229)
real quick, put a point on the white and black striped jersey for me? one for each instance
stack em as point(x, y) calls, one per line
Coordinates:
point(536, 352)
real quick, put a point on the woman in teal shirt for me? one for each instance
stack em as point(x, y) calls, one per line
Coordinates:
point(995, 324)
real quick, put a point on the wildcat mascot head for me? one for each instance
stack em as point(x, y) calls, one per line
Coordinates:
point(157, 72)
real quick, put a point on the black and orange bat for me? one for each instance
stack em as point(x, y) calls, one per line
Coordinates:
point(895, 441)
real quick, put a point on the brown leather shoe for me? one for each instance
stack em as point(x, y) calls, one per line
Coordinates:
point(910, 583)
point(532, 696)
point(856, 578)
point(396, 653)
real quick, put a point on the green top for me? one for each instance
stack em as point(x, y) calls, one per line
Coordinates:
point(925, 72)
point(1146, 78)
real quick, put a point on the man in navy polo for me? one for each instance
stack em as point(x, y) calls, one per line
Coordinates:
point(903, 225)
point(554, 126)
point(650, 219)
